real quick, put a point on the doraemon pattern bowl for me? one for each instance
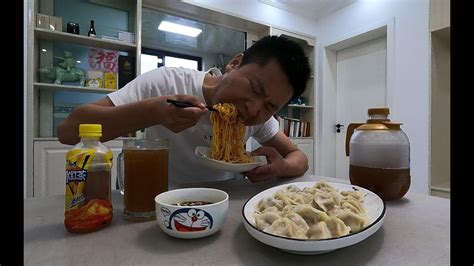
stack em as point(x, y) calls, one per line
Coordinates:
point(191, 221)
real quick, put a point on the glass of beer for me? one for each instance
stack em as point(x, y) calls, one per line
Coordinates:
point(142, 173)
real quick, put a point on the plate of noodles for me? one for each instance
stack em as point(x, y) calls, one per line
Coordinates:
point(203, 153)
point(227, 150)
point(310, 218)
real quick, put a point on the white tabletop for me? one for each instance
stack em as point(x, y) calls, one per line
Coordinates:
point(415, 232)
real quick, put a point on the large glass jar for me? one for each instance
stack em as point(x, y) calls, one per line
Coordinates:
point(380, 159)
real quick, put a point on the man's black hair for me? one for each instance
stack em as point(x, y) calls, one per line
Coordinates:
point(288, 53)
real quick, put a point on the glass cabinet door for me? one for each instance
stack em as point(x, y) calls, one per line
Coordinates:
point(72, 68)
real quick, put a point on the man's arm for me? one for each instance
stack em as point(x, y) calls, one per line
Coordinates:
point(284, 159)
point(116, 120)
point(119, 120)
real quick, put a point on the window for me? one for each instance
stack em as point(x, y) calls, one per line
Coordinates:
point(152, 58)
point(172, 61)
point(149, 62)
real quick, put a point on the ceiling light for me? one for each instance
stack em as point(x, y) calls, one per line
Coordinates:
point(179, 29)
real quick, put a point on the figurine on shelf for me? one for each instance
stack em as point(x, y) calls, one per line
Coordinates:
point(66, 71)
point(68, 61)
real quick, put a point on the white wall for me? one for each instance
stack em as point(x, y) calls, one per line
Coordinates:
point(410, 95)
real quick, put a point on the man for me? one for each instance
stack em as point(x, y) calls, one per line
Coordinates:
point(260, 82)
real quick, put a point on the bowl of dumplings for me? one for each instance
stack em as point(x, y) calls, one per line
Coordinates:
point(311, 218)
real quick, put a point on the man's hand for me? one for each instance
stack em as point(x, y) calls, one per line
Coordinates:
point(178, 119)
point(276, 165)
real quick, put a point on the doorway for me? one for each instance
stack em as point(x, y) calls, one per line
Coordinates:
point(357, 75)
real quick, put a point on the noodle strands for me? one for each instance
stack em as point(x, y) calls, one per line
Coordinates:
point(228, 135)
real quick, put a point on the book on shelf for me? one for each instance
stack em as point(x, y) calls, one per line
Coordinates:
point(293, 127)
point(110, 80)
point(126, 70)
point(94, 79)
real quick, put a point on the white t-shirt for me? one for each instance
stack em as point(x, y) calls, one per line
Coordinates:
point(183, 164)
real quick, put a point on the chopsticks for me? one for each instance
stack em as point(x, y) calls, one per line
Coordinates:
point(180, 104)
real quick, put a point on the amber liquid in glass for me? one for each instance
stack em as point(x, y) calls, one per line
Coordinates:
point(98, 186)
point(145, 176)
point(389, 184)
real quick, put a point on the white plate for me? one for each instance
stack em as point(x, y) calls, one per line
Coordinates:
point(374, 206)
point(203, 154)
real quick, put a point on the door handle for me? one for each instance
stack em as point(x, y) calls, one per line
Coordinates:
point(339, 127)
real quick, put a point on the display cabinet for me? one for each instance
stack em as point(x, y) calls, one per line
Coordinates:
point(66, 68)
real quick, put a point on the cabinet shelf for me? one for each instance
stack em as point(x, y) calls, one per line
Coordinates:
point(59, 87)
point(441, 186)
point(84, 40)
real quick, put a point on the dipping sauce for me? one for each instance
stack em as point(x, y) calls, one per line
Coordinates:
point(193, 203)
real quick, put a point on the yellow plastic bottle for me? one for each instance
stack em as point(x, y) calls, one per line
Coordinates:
point(88, 205)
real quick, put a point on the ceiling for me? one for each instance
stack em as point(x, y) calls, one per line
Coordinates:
point(313, 9)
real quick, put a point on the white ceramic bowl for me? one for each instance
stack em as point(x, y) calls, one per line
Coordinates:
point(191, 221)
point(374, 206)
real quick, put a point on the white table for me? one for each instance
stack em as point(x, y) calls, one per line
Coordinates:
point(415, 232)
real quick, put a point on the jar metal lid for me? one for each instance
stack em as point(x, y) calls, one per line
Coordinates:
point(378, 111)
point(372, 127)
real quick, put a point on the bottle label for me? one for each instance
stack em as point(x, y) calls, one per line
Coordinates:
point(77, 164)
point(88, 205)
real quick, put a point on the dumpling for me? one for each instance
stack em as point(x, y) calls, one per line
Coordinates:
point(270, 209)
point(280, 195)
point(357, 195)
point(297, 198)
point(323, 201)
point(321, 185)
point(319, 231)
point(332, 227)
point(310, 190)
point(298, 220)
point(307, 197)
point(353, 221)
point(337, 197)
point(288, 209)
point(286, 227)
point(265, 219)
point(292, 188)
point(269, 202)
point(353, 205)
point(337, 227)
point(310, 214)
point(334, 211)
